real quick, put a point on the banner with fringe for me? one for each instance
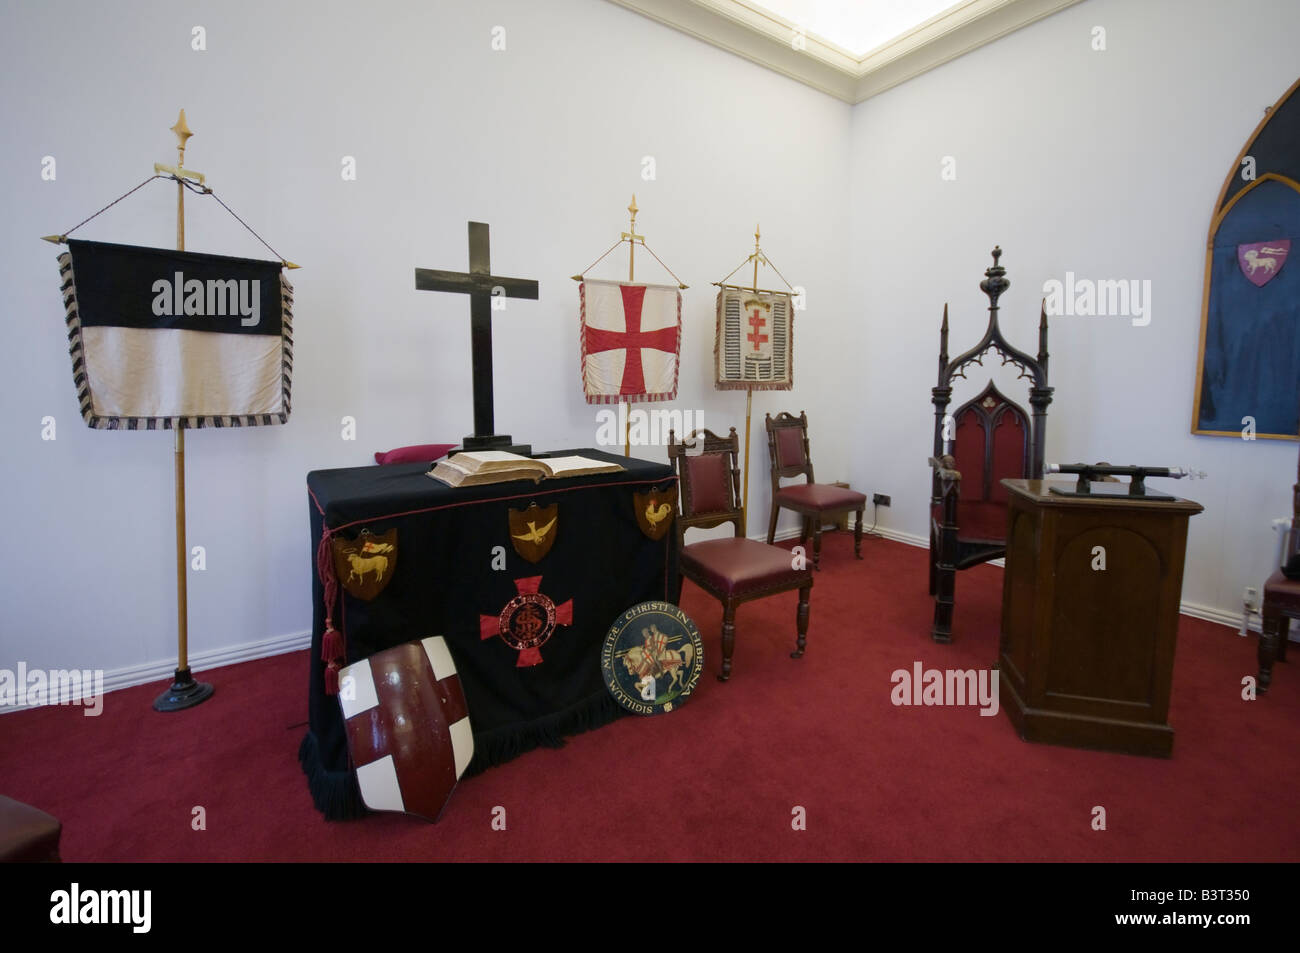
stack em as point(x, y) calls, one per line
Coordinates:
point(161, 339)
point(754, 345)
point(631, 337)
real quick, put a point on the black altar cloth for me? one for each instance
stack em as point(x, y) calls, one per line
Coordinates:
point(444, 581)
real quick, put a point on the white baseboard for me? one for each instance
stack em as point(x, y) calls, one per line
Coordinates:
point(163, 670)
point(1228, 617)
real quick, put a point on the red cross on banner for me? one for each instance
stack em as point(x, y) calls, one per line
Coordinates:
point(631, 338)
point(754, 344)
point(757, 323)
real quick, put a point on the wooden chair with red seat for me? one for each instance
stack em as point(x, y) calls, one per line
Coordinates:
point(988, 439)
point(787, 449)
point(732, 569)
point(1281, 599)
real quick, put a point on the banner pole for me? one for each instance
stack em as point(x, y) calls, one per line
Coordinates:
point(631, 237)
point(749, 408)
point(184, 692)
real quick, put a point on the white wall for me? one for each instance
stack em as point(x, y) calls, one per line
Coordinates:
point(544, 141)
point(1101, 163)
point(1106, 164)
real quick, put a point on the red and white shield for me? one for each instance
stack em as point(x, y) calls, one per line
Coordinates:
point(407, 726)
point(1261, 261)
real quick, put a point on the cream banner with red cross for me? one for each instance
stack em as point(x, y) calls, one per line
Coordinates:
point(631, 337)
point(754, 346)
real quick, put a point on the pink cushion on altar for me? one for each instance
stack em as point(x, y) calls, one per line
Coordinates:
point(421, 453)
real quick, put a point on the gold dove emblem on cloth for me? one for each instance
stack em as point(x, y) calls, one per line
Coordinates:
point(535, 535)
point(533, 530)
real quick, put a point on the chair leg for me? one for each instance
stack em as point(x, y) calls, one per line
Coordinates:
point(1283, 637)
point(945, 579)
point(857, 536)
point(804, 529)
point(771, 525)
point(728, 639)
point(801, 620)
point(817, 543)
point(1272, 622)
point(934, 562)
point(945, 582)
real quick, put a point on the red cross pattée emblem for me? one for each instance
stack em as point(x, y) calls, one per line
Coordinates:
point(527, 621)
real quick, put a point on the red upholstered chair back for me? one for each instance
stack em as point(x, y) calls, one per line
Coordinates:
point(990, 443)
point(787, 447)
point(709, 481)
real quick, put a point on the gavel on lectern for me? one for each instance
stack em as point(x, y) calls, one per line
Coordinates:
point(1087, 472)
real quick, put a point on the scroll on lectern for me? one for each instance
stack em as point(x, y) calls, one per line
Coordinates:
point(1090, 614)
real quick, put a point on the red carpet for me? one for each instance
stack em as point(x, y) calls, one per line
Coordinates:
point(719, 779)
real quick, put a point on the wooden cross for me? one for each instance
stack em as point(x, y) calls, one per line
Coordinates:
point(481, 286)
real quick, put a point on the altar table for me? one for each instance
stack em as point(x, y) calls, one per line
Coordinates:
point(454, 565)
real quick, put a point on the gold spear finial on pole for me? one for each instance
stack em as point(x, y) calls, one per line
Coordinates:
point(178, 171)
point(183, 134)
point(631, 237)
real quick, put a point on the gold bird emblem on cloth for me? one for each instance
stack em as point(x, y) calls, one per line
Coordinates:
point(535, 535)
point(657, 516)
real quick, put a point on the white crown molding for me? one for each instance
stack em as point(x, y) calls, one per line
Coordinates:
point(766, 39)
point(688, 17)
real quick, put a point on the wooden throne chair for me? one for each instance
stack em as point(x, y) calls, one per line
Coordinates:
point(787, 449)
point(988, 439)
point(1281, 599)
point(732, 569)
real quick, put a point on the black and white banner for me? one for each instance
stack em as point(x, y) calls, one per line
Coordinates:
point(162, 338)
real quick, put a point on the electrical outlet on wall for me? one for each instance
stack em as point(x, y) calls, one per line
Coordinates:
point(880, 499)
point(1249, 609)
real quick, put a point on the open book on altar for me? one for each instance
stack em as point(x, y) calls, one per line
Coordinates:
point(472, 467)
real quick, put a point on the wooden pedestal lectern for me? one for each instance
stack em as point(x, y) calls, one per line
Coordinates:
point(1090, 617)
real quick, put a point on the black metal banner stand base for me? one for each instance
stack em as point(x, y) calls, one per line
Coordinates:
point(184, 693)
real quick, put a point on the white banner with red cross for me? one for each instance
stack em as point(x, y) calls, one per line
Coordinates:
point(631, 338)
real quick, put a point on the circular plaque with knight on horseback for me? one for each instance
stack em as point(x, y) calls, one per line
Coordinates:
point(652, 658)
